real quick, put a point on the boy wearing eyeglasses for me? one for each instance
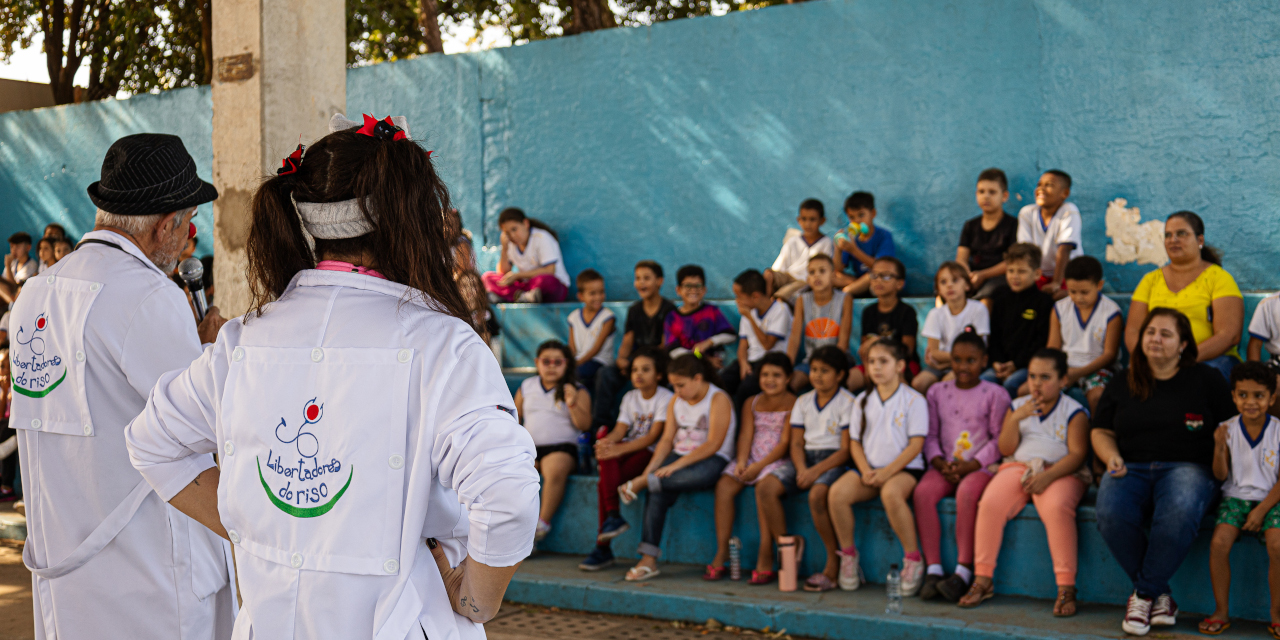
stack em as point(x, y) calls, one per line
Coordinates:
point(697, 327)
point(889, 318)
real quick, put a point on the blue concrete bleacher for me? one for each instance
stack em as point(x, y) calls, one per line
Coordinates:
point(1025, 567)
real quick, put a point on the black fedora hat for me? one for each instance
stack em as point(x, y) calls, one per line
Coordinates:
point(149, 173)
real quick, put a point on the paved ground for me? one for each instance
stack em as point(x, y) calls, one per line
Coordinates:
point(15, 588)
point(526, 622)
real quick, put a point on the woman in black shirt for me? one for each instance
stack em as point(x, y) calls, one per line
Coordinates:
point(1154, 431)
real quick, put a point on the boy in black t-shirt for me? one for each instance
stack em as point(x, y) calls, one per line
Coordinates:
point(889, 317)
point(1019, 319)
point(984, 239)
point(643, 328)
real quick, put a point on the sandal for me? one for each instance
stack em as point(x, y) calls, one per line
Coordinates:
point(640, 573)
point(1066, 598)
point(762, 577)
point(819, 582)
point(714, 573)
point(977, 595)
point(1213, 626)
point(1274, 630)
point(626, 493)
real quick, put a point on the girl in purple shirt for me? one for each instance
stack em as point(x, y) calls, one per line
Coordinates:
point(965, 416)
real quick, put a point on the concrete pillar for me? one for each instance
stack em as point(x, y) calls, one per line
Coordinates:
point(280, 73)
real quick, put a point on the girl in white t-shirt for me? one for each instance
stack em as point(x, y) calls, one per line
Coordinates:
point(1044, 439)
point(531, 268)
point(555, 409)
point(696, 445)
point(958, 314)
point(887, 427)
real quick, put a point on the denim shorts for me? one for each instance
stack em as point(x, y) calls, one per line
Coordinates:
point(787, 473)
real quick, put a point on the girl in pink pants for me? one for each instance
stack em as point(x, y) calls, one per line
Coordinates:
point(1045, 436)
point(531, 268)
point(965, 415)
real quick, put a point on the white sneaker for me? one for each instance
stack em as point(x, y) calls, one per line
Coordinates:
point(1137, 618)
point(542, 531)
point(850, 577)
point(1164, 612)
point(532, 296)
point(912, 577)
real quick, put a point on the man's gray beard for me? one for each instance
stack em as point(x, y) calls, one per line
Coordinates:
point(166, 258)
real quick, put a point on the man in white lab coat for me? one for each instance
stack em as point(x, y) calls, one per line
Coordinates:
point(89, 338)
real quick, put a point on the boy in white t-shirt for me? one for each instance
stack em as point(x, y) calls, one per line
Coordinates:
point(591, 328)
point(788, 275)
point(1245, 452)
point(1264, 332)
point(1087, 326)
point(765, 327)
point(1054, 225)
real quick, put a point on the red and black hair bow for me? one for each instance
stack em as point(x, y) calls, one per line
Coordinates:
point(292, 163)
point(383, 129)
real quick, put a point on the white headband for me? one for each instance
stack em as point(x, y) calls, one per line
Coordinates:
point(333, 220)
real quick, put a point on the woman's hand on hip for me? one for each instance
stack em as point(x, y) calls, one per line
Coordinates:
point(1116, 468)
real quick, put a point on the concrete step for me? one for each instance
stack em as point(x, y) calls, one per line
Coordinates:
point(679, 593)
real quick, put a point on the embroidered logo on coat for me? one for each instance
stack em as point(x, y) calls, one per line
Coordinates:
point(32, 369)
point(1194, 421)
point(309, 473)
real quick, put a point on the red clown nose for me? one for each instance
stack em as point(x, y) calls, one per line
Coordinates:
point(191, 232)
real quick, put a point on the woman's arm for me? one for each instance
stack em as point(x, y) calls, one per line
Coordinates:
point(1137, 315)
point(1104, 447)
point(1228, 322)
point(721, 410)
point(797, 330)
point(199, 501)
point(475, 589)
point(846, 324)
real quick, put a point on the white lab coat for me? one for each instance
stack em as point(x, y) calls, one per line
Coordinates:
point(89, 338)
point(353, 422)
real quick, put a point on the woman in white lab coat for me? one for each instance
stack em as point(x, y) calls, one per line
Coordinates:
point(357, 415)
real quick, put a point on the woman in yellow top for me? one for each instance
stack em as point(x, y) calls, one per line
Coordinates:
point(1194, 283)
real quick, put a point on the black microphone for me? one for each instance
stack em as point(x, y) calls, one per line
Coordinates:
point(192, 272)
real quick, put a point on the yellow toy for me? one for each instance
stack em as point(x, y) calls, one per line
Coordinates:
point(962, 445)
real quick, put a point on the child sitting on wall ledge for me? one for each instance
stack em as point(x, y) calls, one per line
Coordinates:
point(531, 268)
point(861, 244)
point(787, 276)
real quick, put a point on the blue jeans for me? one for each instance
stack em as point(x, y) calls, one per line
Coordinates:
point(1224, 365)
point(1010, 384)
point(1171, 497)
point(610, 381)
point(663, 493)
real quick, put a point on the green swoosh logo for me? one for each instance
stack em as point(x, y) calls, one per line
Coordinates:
point(301, 512)
point(40, 394)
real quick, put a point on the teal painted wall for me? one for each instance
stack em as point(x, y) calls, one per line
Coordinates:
point(694, 141)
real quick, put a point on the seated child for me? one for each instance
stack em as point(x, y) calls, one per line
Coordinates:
point(1054, 225)
point(860, 244)
point(643, 328)
point(1244, 459)
point(765, 327)
point(889, 318)
point(531, 268)
point(1019, 319)
point(697, 443)
point(965, 416)
point(763, 443)
point(696, 327)
point(1045, 437)
point(958, 314)
point(984, 239)
point(787, 276)
point(1089, 327)
point(823, 316)
point(591, 328)
point(886, 435)
point(819, 451)
point(555, 409)
point(625, 452)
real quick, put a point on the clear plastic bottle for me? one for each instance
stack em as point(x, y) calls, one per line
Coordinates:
point(735, 558)
point(893, 588)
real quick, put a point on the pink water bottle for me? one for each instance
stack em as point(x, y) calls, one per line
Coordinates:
point(787, 563)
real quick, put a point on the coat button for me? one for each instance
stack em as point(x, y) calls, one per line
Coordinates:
point(391, 566)
point(35, 423)
point(235, 537)
point(296, 560)
point(237, 354)
point(396, 461)
point(317, 355)
point(79, 356)
point(404, 356)
point(50, 280)
point(95, 286)
point(229, 447)
point(88, 430)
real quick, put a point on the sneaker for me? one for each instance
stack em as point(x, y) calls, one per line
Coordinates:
point(912, 576)
point(1164, 612)
point(850, 577)
point(612, 528)
point(600, 558)
point(542, 531)
point(929, 590)
point(953, 588)
point(1137, 619)
point(532, 296)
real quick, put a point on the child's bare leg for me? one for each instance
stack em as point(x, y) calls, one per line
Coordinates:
point(799, 380)
point(923, 381)
point(769, 288)
point(555, 468)
point(822, 522)
point(847, 491)
point(773, 522)
point(1092, 396)
point(727, 488)
point(1224, 537)
point(1272, 537)
point(894, 496)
